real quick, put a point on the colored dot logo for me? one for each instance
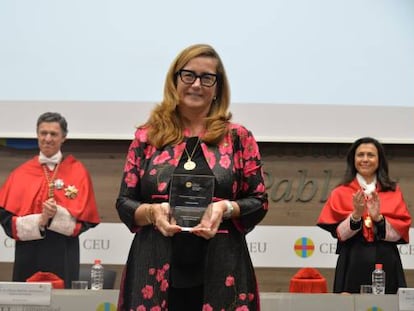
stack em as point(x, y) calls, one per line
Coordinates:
point(304, 247)
point(106, 306)
point(374, 309)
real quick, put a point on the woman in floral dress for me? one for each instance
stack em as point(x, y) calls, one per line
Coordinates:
point(202, 264)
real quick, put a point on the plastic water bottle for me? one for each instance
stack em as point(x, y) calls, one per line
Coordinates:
point(97, 275)
point(378, 280)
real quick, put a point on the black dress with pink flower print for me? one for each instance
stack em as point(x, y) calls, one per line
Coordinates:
point(226, 271)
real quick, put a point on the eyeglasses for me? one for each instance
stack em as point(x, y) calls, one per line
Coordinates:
point(189, 77)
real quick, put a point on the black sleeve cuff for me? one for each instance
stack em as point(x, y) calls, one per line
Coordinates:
point(42, 231)
point(355, 225)
point(380, 229)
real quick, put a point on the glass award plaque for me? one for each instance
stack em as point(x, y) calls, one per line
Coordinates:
point(190, 195)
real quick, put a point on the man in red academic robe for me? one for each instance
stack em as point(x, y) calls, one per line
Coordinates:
point(45, 204)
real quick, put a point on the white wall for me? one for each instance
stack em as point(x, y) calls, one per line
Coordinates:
point(320, 70)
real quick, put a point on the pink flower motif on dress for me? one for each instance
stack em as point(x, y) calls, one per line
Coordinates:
point(179, 150)
point(225, 147)
point(129, 164)
point(260, 188)
point(141, 308)
point(141, 172)
point(152, 292)
point(160, 275)
point(207, 307)
point(162, 186)
point(225, 161)
point(153, 172)
point(239, 298)
point(250, 168)
point(174, 162)
point(147, 292)
point(131, 180)
point(250, 148)
point(210, 158)
point(141, 136)
point(229, 281)
point(164, 285)
point(162, 158)
point(238, 161)
point(134, 144)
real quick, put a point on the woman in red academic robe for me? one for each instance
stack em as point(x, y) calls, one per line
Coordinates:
point(368, 216)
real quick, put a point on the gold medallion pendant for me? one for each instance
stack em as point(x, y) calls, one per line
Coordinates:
point(368, 222)
point(189, 165)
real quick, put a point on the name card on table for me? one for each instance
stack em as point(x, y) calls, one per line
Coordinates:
point(22, 293)
point(406, 299)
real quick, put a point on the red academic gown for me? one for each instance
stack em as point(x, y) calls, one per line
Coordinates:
point(23, 193)
point(358, 255)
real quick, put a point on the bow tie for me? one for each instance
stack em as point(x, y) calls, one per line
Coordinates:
point(52, 161)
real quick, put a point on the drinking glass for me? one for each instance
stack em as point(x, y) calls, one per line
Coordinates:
point(366, 289)
point(79, 284)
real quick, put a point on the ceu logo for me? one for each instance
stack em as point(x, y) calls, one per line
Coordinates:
point(106, 306)
point(304, 247)
point(374, 309)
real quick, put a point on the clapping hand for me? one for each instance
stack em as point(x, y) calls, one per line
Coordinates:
point(358, 201)
point(373, 206)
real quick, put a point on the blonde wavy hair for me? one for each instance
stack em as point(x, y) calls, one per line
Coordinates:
point(165, 125)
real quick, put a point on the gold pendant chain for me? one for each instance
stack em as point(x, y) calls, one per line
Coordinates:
point(189, 165)
point(50, 180)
